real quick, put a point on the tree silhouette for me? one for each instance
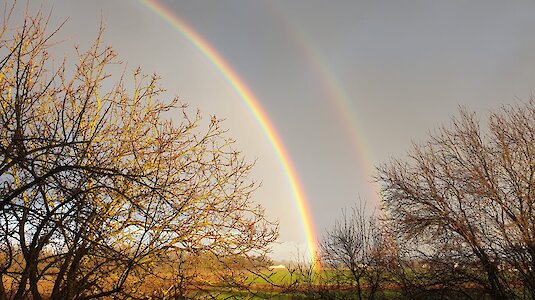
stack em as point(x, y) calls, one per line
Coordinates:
point(470, 192)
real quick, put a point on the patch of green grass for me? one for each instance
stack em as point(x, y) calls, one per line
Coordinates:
point(325, 294)
point(259, 295)
point(278, 277)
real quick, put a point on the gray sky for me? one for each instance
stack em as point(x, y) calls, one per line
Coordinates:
point(347, 84)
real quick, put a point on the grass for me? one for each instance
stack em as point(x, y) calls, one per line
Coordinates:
point(278, 277)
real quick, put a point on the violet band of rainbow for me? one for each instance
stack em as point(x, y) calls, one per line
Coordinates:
point(253, 104)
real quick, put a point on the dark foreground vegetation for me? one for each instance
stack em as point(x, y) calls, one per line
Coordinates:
point(104, 195)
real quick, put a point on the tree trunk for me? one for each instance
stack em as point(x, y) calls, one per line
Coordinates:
point(3, 295)
point(496, 287)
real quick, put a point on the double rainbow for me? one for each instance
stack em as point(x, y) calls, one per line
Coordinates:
point(254, 106)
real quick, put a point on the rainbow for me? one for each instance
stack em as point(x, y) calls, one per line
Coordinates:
point(334, 92)
point(254, 106)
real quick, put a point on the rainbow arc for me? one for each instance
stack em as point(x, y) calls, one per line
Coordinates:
point(252, 102)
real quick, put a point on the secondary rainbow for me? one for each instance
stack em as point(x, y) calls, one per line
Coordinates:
point(254, 106)
point(334, 92)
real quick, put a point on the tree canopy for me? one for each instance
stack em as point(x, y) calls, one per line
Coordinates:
point(102, 180)
point(466, 197)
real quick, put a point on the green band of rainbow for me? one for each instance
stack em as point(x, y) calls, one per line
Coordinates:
point(254, 105)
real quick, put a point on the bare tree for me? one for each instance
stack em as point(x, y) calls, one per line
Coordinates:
point(354, 252)
point(98, 183)
point(472, 191)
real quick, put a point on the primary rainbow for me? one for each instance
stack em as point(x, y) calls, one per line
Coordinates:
point(254, 106)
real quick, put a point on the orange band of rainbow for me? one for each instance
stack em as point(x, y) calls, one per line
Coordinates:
point(254, 105)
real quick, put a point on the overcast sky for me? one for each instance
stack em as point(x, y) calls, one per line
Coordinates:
point(347, 84)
